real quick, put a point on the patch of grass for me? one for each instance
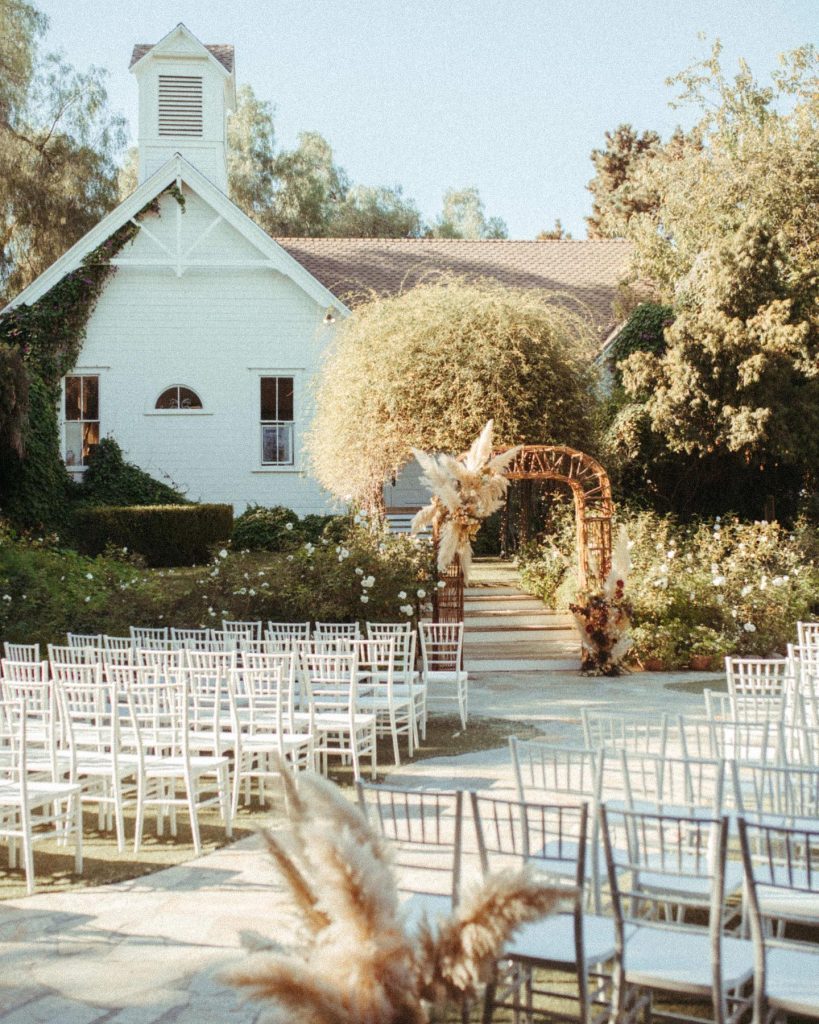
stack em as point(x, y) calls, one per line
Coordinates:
point(103, 864)
point(716, 683)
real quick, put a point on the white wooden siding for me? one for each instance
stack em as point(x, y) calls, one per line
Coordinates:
point(216, 330)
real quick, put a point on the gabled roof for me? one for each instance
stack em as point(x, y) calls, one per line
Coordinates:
point(223, 52)
point(174, 170)
point(584, 272)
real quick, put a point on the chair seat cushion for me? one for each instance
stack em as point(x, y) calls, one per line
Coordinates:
point(550, 941)
point(677, 960)
point(792, 980)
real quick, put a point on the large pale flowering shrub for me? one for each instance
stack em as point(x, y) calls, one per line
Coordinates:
point(713, 587)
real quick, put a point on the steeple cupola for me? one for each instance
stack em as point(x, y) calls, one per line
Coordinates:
point(186, 90)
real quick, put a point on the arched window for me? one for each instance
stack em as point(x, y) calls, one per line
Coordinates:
point(178, 397)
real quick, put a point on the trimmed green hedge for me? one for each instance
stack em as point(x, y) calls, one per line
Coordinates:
point(162, 534)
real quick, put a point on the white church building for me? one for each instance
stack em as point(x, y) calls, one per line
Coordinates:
point(201, 352)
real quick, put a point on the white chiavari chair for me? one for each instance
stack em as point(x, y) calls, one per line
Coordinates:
point(94, 640)
point(341, 729)
point(265, 741)
point(394, 712)
point(675, 862)
point(783, 886)
point(33, 809)
point(61, 654)
point(29, 683)
point(641, 733)
point(90, 719)
point(117, 643)
point(552, 840)
point(807, 634)
point(210, 725)
point(169, 774)
point(444, 676)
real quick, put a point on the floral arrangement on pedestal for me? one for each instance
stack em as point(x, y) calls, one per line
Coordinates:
point(464, 493)
point(604, 617)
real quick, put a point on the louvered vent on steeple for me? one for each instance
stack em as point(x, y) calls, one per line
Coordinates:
point(180, 105)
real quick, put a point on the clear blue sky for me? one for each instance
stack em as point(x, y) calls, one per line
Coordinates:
point(507, 95)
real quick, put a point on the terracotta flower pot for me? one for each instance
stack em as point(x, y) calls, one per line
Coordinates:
point(653, 665)
point(701, 662)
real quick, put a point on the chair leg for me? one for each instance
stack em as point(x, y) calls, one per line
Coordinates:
point(394, 731)
point(190, 789)
point(28, 854)
point(118, 816)
point(140, 813)
point(77, 805)
point(224, 800)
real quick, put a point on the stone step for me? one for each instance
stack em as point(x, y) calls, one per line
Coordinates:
point(500, 603)
point(515, 635)
point(501, 665)
point(507, 593)
point(504, 622)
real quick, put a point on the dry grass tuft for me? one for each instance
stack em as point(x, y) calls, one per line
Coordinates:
point(357, 964)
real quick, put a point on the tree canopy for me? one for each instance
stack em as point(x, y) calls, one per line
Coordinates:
point(428, 368)
point(732, 243)
point(59, 145)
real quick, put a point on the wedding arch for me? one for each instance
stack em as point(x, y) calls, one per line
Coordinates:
point(591, 490)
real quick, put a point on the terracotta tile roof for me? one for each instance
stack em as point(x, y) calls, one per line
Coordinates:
point(223, 52)
point(586, 272)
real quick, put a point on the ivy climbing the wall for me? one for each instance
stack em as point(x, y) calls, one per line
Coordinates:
point(39, 344)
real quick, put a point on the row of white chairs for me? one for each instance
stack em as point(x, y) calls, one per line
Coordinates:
point(441, 648)
point(672, 879)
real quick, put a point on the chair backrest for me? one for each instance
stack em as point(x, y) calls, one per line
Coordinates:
point(757, 677)
point(807, 634)
point(642, 733)
point(249, 630)
point(164, 659)
point(59, 654)
point(159, 715)
point(659, 860)
point(336, 631)
point(117, 643)
point(740, 707)
point(376, 661)
point(425, 828)
point(287, 631)
point(193, 638)
point(545, 772)
point(25, 672)
point(155, 638)
point(213, 663)
point(376, 630)
point(745, 741)
point(13, 765)
point(84, 640)
point(21, 652)
point(261, 702)
point(283, 664)
point(782, 876)
point(550, 837)
point(790, 793)
point(441, 646)
point(330, 680)
point(89, 711)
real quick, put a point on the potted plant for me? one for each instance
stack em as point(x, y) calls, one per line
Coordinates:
point(708, 647)
point(655, 646)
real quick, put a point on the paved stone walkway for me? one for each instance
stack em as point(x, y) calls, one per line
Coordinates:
point(151, 950)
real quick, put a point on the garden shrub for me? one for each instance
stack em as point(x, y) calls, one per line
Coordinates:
point(712, 588)
point(644, 331)
point(162, 534)
point(46, 591)
point(110, 480)
point(260, 528)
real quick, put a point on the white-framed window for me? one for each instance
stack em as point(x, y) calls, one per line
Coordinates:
point(178, 397)
point(82, 418)
point(276, 419)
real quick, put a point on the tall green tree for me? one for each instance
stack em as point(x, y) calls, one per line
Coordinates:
point(464, 216)
point(733, 245)
point(617, 187)
point(59, 144)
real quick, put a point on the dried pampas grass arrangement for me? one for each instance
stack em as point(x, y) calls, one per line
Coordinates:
point(604, 616)
point(354, 961)
point(464, 493)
